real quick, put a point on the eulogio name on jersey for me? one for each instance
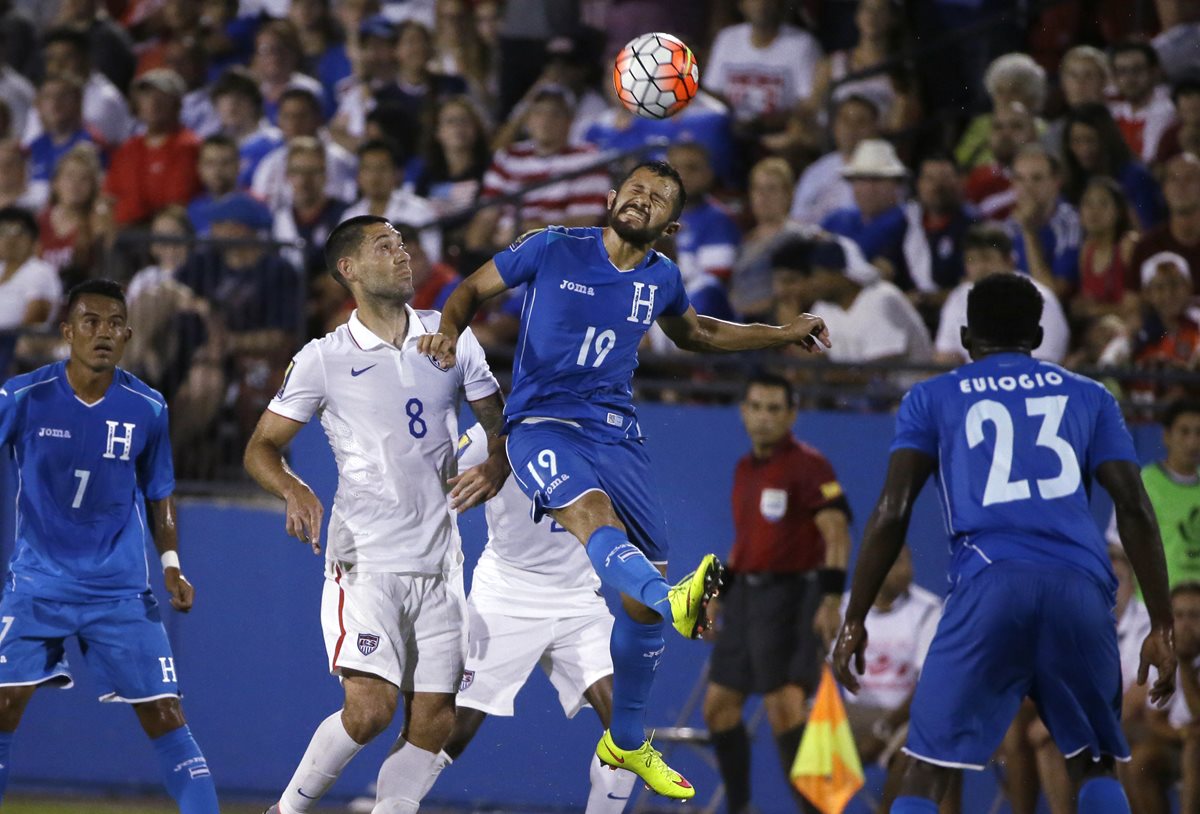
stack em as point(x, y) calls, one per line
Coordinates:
point(996, 384)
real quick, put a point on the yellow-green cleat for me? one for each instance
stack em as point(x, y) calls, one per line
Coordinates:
point(690, 597)
point(647, 763)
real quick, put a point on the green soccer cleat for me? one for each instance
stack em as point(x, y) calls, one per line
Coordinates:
point(647, 763)
point(690, 597)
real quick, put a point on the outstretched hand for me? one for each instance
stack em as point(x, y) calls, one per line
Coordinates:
point(1158, 649)
point(439, 347)
point(809, 332)
point(851, 643)
point(181, 591)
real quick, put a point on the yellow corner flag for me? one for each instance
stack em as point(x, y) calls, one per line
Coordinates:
point(827, 770)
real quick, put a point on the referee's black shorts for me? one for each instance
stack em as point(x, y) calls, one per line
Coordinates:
point(766, 639)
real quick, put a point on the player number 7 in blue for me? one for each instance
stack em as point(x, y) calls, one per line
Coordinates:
point(999, 488)
point(603, 344)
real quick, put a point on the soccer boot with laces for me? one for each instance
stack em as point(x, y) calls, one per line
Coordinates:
point(690, 597)
point(647, 763)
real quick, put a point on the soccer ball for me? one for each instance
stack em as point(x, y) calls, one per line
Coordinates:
point(656, 75)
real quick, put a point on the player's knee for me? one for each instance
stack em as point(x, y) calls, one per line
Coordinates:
point(12, 706)
point(160, 716)
point(365, 718)
point(923, 779)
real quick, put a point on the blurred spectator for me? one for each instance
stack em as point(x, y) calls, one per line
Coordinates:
point(1010, 78)
point(74, 227)
point(1144, 110)
point(322, 44)
point(822, 189)
point(449, 171)
point(300, 116)
point(1180, 235)
point(238, 102)
point(707, 242)
point(990, 185)
point(419, 88)
point(65, 51)
point(1169, 338)
point(1108, 242)
point(187, 57)
point(278, 57)
point(381, 182)
point(217, 167)
point(1092, 145)
point(763, 67)
point(577, 201)
point(1045, 229)
point(174, 20)
point(1176, 45)
point(1084, 78)
point(109, 45)
point(987, 249)
point(938, 223)
point(60, 109)
point(17, 93)
point(29, 287)
point(1170, 751)
point(524, 29)
point(18, 40)
point(462, 52)
point(158, 167)
point(770, 196)
point(876, 221)
point(15, 187)
point(881, 44)
point(228, 37)
point(375, 72)
point(900, 626)
point(1184, 135)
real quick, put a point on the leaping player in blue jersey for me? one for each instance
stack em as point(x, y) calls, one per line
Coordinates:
point(92, 451)
point(1015, 443)
point(573, 438)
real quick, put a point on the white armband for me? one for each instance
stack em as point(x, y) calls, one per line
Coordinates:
point(170, 559)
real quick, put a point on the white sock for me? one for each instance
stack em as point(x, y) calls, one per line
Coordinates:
point(406, 777)
point(611, 789)
point(330, 749)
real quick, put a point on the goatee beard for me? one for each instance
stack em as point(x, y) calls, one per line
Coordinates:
point(638, 236)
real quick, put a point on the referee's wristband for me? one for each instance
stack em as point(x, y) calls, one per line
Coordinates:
point(832, 580)
point(170, 559)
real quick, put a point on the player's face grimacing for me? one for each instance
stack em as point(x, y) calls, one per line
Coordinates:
point(96, 331)
point(641, 211)
point(380, 269)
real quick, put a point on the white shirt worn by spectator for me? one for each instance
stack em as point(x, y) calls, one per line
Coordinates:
point(881, 323)
point(198, 114)
point(270, 176)
point(1177, 52)
point(897, 643)
point(758, 81)
point(1056, 334)
point(1153, 120)
point(527, 569)
point(406, 207)
point(34, 280)
point(1132, 629)
point(821, 190)
point(391, 416)
point(104, 111)
point(18, 94)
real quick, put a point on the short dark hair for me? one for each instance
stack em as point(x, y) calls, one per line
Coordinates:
point(938, 157)
point(239, 82)
point(70, 35)
point(220, 140)
point(17, 214)
point(765, 378)
point(858, 99)
point(344, 240)
point(99, 287)
point(1189, 86)
point(663, 170)
point(382, 145)
point(988, 236)
point(1005, 309)
point(304, 95)
point(1184, 588)
point(1178, 408)
point(1134, 47)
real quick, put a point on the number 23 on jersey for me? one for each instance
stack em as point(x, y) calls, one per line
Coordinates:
point(1002, 486)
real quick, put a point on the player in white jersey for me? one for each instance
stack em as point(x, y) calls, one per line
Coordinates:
point(535, 601)
point(393, 610)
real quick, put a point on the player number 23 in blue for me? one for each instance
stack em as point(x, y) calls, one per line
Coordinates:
point(999, 488)
point(601, 343)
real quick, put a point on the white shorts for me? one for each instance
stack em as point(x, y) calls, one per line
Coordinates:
point(409, 629)
point(503, 650)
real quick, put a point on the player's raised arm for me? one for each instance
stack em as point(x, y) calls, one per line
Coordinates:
point(166, 542)
point(908, 469)
point(460, 309)
point(691, 331)
point(264, 461)
point(1143, 545)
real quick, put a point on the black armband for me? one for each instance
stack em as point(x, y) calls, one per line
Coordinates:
point(832, 580)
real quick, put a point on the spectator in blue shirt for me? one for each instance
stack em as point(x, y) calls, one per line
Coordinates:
point(1045, 228)
point(238, 101)
point(707, 242)
point(217, 166)
point(60, 108)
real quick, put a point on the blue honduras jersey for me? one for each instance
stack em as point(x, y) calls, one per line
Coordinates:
point(1017, 442)
point(84, 473)
point(581, 322)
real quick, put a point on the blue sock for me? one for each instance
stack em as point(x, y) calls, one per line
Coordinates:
point(185, 772)
point(621, 565)
point(1103, 795)
point(6, 739)
point(913, 805)
point(636, 649)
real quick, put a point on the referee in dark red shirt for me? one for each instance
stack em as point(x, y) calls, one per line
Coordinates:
point(788, 565)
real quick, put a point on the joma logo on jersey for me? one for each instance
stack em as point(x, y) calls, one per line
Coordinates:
point(557, 482)
point(52, 432)
point(638, 303)
point(578, 288)
point(124, 439)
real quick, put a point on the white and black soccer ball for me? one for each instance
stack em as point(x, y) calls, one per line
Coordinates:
point(656, 75)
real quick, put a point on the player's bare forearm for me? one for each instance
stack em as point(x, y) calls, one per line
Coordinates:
point(162, 523)
point(264, 462)
point(702, 334)
point(460, 309)
point(1139, 534)
point(481, 483)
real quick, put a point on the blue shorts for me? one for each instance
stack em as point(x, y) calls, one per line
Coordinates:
point(1013, 630)
point(122, 640)
point(555, 464)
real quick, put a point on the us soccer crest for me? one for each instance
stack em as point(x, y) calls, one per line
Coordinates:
point(468, 679)
point(437, 364)
point(367, 643)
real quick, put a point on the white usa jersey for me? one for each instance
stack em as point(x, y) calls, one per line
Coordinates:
point(527, 569)
point(391, 416)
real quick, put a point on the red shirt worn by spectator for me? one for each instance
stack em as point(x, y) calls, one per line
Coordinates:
point(429, 295)
point(774, 502)
point(990, 188)
point(1102, 285)
point(145, 179)
point(1158, 240)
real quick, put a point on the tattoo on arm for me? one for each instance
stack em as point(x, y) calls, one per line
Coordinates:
point(489, 412)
